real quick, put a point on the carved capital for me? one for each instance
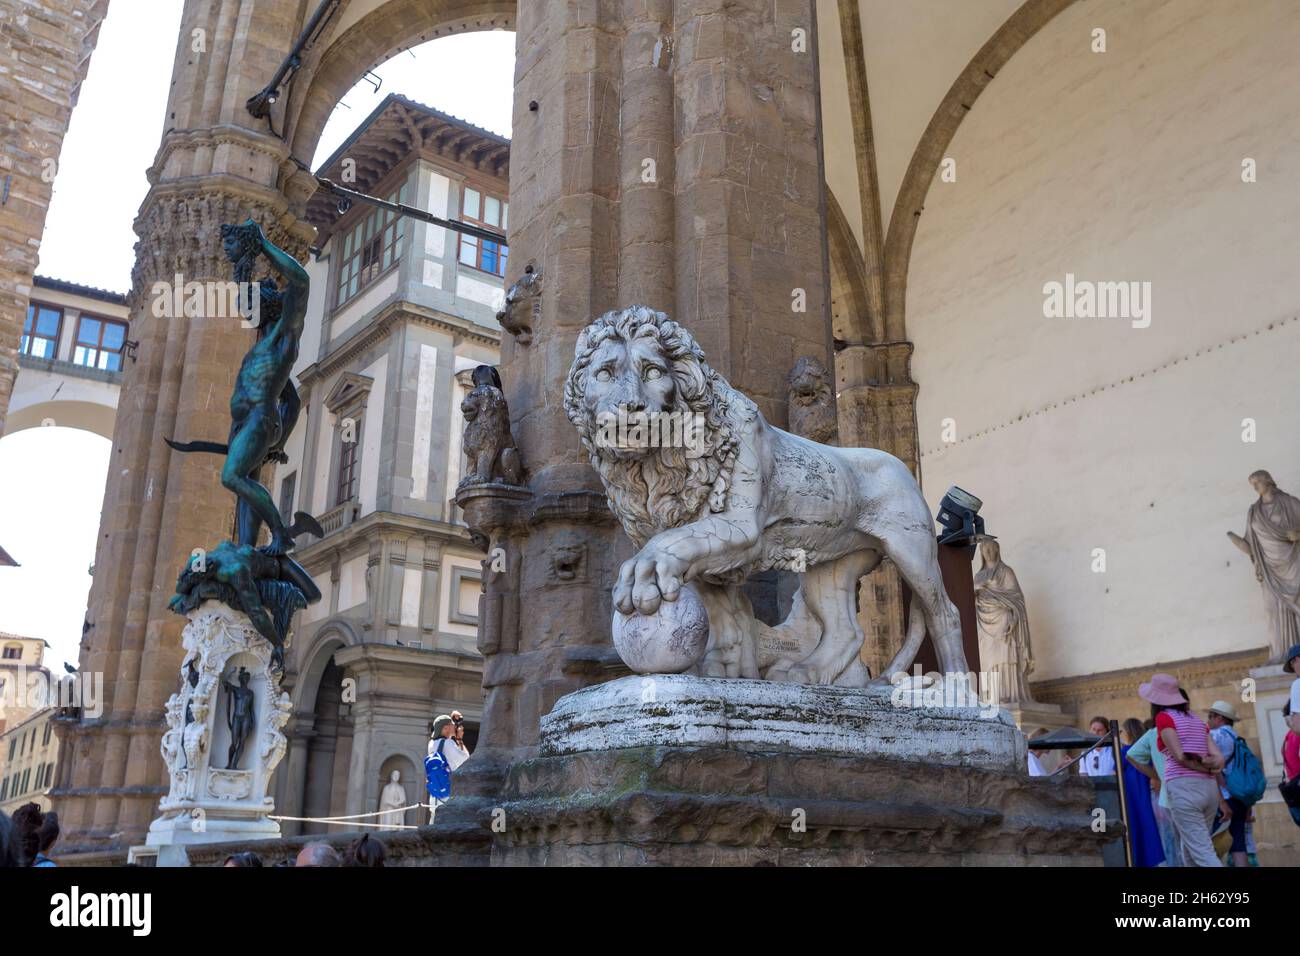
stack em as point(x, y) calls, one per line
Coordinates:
point(179, 228)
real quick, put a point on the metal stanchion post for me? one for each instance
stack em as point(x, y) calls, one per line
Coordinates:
point(1123, 801)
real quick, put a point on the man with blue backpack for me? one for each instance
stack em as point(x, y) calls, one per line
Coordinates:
point(447, 751)
point(1242, 781)
point(437, 765)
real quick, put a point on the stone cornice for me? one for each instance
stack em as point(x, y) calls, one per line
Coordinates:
point(354, 540)
point(382, 325)
point(1191, 672)
point(375, 654)
point(226, 135)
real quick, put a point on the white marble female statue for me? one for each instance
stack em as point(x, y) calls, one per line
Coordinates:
point(1273, 542)
point(1005, 651)
point(391, 802)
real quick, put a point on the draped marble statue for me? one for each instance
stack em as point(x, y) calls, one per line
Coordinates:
point(1005, 650)
point(391, 803)
point(1273, 543)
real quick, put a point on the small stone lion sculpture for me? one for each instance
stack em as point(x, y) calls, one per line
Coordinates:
point(489, 446)
point(746, 498)
point(812, 402)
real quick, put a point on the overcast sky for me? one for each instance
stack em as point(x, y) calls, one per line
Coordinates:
point(52, 479)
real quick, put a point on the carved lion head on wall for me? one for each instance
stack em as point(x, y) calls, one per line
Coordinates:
point(636, 365)
point(810, 383)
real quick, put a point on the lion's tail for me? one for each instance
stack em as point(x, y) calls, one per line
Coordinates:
point(912, 643)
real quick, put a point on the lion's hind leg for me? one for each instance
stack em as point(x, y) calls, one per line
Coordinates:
point(829, 593)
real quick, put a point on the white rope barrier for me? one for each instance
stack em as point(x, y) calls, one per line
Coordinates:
point(354, 820)
point(346, 823)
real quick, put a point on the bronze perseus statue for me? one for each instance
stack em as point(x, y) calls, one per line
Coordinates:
point(264, 582)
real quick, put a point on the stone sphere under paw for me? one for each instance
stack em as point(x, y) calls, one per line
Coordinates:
point(669, 641)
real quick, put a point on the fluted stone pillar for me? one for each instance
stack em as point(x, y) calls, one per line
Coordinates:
point(663, 153)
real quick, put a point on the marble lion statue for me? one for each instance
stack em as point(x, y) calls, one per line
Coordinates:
point(747, 497)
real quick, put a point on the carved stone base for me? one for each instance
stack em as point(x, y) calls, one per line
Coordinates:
point(212, 798)
point(712, 806)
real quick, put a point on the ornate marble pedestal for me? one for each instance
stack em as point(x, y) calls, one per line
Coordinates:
point(213, 799)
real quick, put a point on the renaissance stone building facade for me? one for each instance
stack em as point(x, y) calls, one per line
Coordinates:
point(888, 188)
point(401, 312)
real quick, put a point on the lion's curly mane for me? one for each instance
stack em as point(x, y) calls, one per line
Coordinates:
point(668, 487)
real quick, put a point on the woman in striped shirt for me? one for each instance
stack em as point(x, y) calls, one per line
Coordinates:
point(1191, 760)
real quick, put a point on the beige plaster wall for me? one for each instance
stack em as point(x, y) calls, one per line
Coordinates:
point(1122, 166)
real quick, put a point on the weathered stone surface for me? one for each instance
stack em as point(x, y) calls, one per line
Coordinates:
point(685, 806)
point(761, 716)
point(709, 806)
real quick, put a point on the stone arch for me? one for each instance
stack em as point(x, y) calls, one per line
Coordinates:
point(332, 636)
point(364, 44)
point(91, 416)
point(851, 317)
point(317, 696)
point(1019, 28)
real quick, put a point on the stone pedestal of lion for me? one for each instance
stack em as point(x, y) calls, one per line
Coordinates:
point(737, 743)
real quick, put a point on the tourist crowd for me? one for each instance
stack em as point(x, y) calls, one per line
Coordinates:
point(1190, 785)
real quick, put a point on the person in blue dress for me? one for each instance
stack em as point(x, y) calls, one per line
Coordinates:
point(1145, 835)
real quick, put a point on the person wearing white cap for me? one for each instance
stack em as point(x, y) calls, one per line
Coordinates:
point(1221, 717)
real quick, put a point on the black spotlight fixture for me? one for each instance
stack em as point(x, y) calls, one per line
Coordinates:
point(959, 515)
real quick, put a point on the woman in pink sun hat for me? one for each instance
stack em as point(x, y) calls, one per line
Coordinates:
point(1191, 760)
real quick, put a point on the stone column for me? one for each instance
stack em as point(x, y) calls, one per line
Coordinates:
point(45, 50)
point(723, 229)
point(293, 773)
point(877, 409)
point(217, 164)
